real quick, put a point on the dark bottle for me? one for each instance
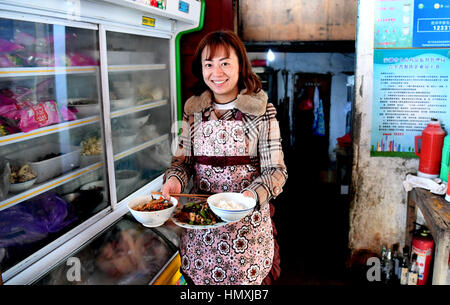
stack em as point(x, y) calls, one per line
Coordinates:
point(396, 261)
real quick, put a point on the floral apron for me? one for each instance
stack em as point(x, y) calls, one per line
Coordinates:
point(240, 252)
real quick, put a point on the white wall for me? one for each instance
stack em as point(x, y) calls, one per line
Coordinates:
point(336, 64)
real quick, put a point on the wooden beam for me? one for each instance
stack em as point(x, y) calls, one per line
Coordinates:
point(297, 20)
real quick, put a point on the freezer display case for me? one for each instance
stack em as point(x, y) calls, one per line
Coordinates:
point(88, 105)
point(125, 254)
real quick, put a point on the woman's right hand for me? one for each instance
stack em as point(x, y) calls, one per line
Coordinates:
point(172, 185)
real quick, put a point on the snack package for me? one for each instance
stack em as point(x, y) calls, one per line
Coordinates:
point(29, 116)
point(66, 113)
point(24, 38)
point(78, 59)
point(5, 61)
point(8, 46)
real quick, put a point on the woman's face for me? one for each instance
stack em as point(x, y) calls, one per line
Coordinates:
point(221, 73)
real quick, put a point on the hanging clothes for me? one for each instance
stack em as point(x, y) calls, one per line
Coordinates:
point(319, 119)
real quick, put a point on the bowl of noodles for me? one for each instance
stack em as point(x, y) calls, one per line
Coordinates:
point(152, 211)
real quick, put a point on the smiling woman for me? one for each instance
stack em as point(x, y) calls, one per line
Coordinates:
point(233, 145)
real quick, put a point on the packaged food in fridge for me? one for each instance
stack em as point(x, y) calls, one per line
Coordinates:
point(8, 46)
point(31, 116)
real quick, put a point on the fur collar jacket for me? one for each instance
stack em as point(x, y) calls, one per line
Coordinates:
point(254, 104)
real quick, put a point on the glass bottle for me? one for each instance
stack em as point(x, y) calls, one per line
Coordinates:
point(396, 260)
point(388, 268)
point(413, 273)
point(404, 266)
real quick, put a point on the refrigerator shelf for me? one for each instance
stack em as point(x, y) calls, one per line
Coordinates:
point(47, 185)
point(132, 68)
point(140, 147)
point(53, 183)
point(41, 71)
point(23, 136)
point(146, 106)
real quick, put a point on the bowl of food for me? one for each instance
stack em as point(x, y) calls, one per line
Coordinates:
point(152, 211)
point(91, 149)
point(124, 139)
point(127, 178)
point(136, 121)
point(231, 207)
point(84, 107)
point(122, 103)
point(94, 187)
point(21, 186)
point(21, 178)
point(87, 110)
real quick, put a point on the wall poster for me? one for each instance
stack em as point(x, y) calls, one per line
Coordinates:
point(411, 70)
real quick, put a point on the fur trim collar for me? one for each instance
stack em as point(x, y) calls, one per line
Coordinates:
point(250, 104)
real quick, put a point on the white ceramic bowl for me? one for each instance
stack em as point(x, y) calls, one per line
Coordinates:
point(122, 103)
point(89, 159)
point(87, 110)
point(136, 122)
point(21, 186)
point(231, 215)
point(100, 184)
point(151, 219)
point(127, 178)
point(124, 140)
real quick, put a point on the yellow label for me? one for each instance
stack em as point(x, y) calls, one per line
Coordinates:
point(148, 21)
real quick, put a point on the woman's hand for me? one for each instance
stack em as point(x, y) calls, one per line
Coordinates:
point(248, 194)
point(172, 185)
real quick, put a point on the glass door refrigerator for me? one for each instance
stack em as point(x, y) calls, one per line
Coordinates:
point(89, 106)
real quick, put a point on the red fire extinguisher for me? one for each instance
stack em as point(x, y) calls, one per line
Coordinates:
point(430, 149)
point(422, 245)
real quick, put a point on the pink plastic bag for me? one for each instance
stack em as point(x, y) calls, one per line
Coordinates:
point(29, 117)
point(78, 59)
point(66, 113)
point(24, 38)
point(8, 46)
point(5, 61)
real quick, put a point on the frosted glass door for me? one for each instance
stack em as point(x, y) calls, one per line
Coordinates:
point(138, 74)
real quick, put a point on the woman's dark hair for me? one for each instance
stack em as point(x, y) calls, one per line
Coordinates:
point(228, 39)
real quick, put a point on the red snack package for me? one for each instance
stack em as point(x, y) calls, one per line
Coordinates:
point(32, 116)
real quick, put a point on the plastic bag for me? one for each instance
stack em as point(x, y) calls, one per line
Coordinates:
point(78, 59)
point(34, 219)
point(8, 46)
point(6, 62)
